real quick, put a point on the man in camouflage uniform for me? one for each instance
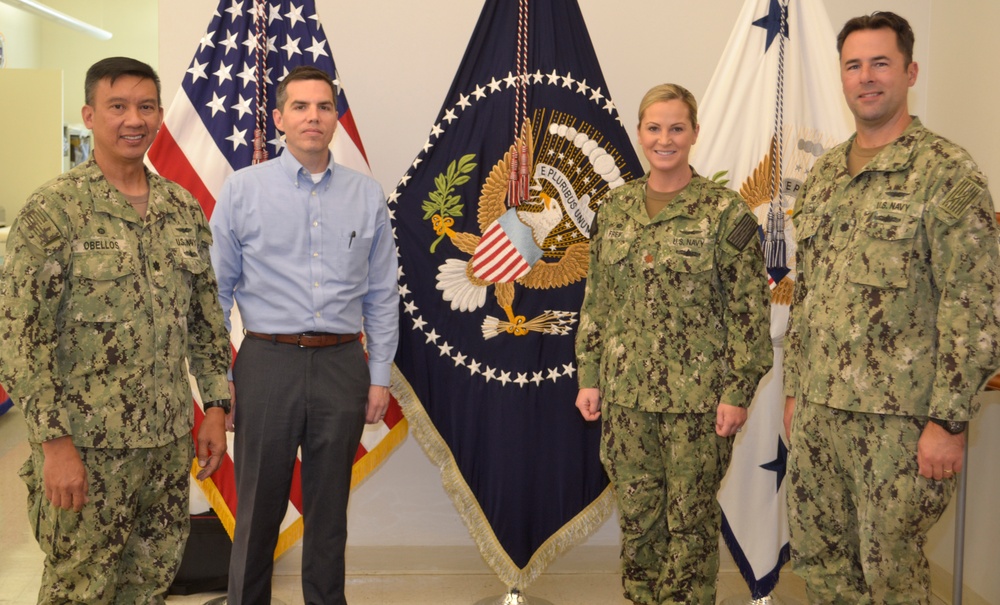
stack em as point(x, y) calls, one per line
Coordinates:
point(674, 337)
point(893, 331)
point(108, 294)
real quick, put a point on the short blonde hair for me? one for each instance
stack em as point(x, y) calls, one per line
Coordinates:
point(669, 92)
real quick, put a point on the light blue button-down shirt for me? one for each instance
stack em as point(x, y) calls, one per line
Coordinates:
point(299, 256)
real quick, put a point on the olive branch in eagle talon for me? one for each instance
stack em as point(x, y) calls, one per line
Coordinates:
point(509, 253)
point(443, 206)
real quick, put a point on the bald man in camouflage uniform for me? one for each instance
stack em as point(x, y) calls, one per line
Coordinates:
point(107, 294)
point(893, 331)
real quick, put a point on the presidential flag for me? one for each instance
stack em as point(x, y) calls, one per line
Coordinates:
point(492, 221)
point(218, 122)
point(773, 106)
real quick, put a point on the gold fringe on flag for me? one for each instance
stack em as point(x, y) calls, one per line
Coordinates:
point(572, 533)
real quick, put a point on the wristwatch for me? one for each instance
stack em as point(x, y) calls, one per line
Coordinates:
point(953, 427)
point(218, 403)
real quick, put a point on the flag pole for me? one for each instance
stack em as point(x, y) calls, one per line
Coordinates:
point(959, 562)
point(513, 597)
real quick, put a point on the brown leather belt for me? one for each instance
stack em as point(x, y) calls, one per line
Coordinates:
point(307, 340)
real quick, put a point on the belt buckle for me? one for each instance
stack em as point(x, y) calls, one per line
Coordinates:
point(298, 341)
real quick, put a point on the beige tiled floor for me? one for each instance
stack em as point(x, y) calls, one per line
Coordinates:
point(411, 576)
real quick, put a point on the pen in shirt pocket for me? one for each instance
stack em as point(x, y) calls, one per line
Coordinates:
point(351, 241)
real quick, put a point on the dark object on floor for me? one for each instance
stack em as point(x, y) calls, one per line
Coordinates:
point(205, 565)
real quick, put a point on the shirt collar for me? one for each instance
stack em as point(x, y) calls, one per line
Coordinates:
point(898, 154)
point(685, 204)
point(298, 173)
point(107, 199)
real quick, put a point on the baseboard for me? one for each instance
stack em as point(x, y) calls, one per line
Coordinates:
point(466, 560)
point(941, 587)
point(463, 560)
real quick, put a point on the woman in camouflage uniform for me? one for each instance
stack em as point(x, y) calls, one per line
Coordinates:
point(674, 336)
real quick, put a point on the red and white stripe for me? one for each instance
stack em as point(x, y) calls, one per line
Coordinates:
point(496, 259)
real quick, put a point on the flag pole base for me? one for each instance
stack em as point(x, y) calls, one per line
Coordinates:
point(749, 600)
point(222, 601)
point(513, 597)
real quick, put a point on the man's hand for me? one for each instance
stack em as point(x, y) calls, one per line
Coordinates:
point(729, 419)
point(63, 474)
point(939, 453)
point(378, 403)
point(588, 401)
point(211, 442)
point(789, 412)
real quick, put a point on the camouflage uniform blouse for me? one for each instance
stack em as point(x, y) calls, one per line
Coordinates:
point(101, 311)
point(895, 306)
point(676, 313)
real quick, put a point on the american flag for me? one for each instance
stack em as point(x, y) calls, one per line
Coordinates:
point(209, 133)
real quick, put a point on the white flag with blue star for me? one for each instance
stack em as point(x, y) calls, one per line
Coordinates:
point(774, 105)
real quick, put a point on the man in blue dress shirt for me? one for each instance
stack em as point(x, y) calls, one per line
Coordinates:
point(304, 246)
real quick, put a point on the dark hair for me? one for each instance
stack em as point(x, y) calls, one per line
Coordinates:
point(113, 68)
point(881, 20)
point(302, 72)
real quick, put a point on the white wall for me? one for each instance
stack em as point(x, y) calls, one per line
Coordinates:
point(134, 33)
point(397, 58)
point(21, 34)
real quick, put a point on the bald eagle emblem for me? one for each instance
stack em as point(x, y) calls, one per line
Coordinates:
point(538, 243)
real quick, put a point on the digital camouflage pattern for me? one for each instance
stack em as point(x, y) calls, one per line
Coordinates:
point(675, 321)
point(896, 301)
point(894, 319)
point(666, 471)
point(101, 310)
point(856, 489)
point(676, 315)
point(125, 546)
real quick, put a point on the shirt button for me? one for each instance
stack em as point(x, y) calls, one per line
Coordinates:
point(315, 254)
point(315, 284)
point(317, 314)
point(314, 193)
point(315, 223)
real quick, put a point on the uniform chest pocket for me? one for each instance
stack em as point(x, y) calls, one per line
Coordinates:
point(103, 287)
point(806, 226)
point(687, 272)
point(614, 251)
point(883, 248)
point(184, 261)
point(183, 249)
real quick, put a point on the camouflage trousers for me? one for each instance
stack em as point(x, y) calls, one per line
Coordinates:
point(859, 511)
point(126, 544)
point(666, 469)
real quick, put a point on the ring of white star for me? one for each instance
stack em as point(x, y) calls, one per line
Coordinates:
point(450, 115)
